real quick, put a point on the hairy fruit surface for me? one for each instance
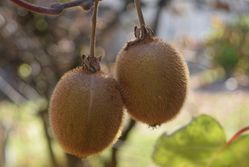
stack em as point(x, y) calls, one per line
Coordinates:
point(153, 79)
point(85, 112)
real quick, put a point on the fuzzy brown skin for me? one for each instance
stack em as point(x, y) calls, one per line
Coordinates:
point(86, 112)
point(154, 79)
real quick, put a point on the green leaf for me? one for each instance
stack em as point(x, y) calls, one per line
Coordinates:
point(191, 146)
point(234, 155)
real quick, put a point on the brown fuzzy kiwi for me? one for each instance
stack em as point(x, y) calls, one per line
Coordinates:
point(153, 78)
point(86, 112)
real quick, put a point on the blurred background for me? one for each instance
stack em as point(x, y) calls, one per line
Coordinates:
point(36, 50)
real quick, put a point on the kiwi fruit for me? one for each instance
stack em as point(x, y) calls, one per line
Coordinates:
point(85, 112)
point(153, 79)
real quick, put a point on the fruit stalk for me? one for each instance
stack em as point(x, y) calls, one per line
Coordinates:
point(142, 32)
point(93, 33)
point(91, 62)
point(139, 13)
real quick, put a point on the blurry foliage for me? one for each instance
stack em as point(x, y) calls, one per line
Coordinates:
point(201, 143)
point(229, 47)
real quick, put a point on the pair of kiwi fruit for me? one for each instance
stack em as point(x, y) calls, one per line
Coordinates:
point(86, 107)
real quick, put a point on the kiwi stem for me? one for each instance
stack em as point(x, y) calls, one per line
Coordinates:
point(139, 13)
point(93, 33)
point(141, 33)
point(91, 62)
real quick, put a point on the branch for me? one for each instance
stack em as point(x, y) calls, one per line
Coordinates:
point(43, 116)
point(113, 162)
point(160, 5)
point(54, 9)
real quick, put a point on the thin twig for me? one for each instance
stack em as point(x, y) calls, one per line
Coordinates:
point(42, 115)
point(93, 33)
point(161, 4)
point(115, 149)
point(54, 9)
point(139, 12)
